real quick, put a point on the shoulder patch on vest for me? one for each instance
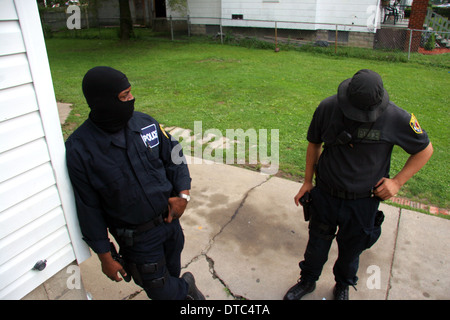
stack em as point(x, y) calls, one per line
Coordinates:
point(415, 124)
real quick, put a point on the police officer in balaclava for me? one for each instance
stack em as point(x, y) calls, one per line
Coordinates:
point(126, 182)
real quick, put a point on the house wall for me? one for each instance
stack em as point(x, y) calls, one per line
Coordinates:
point(108, 13)
point(282, 10)
point(37, 210)
point(291, 14)
point(349, 15)
point(303, 20)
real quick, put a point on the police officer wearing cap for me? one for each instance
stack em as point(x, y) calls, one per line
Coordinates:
point(128, 178)
point(357, 128)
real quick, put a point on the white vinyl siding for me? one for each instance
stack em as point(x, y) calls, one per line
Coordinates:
point(37, 211)
point(289, 14)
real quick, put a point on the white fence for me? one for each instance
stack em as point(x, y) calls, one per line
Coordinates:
point(438, 23)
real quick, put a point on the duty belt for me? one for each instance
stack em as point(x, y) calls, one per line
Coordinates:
point(149, 225)
point(342, 194)
point(129, 235)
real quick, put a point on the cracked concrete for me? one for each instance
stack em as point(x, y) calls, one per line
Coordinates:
point(219, 189)
point(217, 204)
point(245, 237)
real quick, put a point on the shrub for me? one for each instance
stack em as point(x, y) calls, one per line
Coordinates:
point(430, 42)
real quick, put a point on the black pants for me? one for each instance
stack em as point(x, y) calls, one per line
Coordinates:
point(161, 245)
point(355, 222)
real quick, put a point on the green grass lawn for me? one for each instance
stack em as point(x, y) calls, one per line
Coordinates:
point(230, 87)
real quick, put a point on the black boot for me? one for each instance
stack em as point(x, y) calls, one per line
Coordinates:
point(193, 292)
point(299, 290)
point(340, 292)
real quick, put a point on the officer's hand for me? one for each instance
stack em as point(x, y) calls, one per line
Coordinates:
point(306, 187)
point(386, 188)
point(176, 208)
point(111, 267)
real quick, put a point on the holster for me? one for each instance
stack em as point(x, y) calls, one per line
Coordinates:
point(128, 236)
point(305, 201)
point(379, 218)
point(376, 231)
point(142, 274)
point(125, 236)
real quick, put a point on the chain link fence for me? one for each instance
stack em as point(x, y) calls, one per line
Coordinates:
point(410, 40)
point(393, 36)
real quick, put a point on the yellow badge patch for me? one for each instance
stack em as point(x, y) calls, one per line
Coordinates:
point(415, 124)
point(163, 131)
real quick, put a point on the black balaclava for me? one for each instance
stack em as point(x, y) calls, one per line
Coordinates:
point(101, 87)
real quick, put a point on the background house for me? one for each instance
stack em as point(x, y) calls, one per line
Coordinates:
point(360, 23)
point(355, 21)
point(292, 14)
point(37, 210)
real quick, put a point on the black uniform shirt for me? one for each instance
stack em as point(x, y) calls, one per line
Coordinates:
point(124, 178)
point(357, 165)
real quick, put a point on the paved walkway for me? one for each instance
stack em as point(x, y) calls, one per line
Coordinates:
point(245, 237)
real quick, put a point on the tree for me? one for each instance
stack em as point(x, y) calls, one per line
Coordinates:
point(126, 23)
